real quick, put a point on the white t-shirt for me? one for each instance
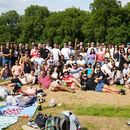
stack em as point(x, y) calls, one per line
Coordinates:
point(27, 78)
point(106, 69)
point(81, 62)
point(89, 49)
point(65, 52)
point(126, 71)
point(55, 52)
point(40, 61)
point(112, 52)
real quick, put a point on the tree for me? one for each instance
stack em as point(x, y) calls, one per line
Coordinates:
point(33, 23)
point(9, 26)
point(66, 25)
point(103, 16)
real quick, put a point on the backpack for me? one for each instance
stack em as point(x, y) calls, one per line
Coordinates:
point(60, 122)
point(50, 123)
point(64, 121)
point(40, 120)
point(74, 122)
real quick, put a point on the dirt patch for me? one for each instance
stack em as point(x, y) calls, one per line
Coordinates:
point(103, 123)
point(89, 98)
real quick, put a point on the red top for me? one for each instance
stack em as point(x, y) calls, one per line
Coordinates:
point(67, 79)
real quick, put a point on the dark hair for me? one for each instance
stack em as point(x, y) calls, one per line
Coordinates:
point(122, 49)
point(35, 45)
point(90, 64)
point(66, 72)
point(33, 70)
point(127, 51)
point(92, 52)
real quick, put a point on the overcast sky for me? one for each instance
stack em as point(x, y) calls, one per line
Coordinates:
point(53, 5)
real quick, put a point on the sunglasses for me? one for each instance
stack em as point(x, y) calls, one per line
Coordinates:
point(65, 74)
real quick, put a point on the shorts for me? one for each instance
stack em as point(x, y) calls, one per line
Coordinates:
point(18, 85)
point(99, 87)
point(16, 80)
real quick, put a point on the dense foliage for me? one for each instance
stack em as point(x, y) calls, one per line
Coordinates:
point(107, 22)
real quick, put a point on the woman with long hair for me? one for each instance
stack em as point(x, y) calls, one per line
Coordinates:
point(92, 57)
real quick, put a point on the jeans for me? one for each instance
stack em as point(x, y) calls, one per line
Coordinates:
point(6, 61)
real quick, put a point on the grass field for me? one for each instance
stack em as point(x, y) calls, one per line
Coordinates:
point(95, 111)
point(85, 114)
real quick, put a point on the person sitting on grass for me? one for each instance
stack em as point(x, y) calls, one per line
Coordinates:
point(17, 69)
point(5, 73)
point(44, 79)
point(58, 85)
point(70, 81)
point(94, 84)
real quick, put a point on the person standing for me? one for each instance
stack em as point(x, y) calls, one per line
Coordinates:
point(55, 52)
point(6, 55)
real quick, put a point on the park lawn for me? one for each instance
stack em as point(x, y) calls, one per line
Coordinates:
point(86, 115)
point(95, 111)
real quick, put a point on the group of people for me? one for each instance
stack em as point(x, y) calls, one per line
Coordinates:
point(95, 67)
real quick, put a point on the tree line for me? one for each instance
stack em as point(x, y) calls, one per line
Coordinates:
point(107, 21)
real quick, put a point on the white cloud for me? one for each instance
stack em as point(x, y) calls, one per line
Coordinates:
point(53, 5)
point(124, 1)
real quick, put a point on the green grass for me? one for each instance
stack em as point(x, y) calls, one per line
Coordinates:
point(120, 86)
point(95, 110)
point(108, 111)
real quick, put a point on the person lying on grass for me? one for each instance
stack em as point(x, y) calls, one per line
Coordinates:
point(65, 83)
point(27, 79)
point(95, 85)
point(58, 85)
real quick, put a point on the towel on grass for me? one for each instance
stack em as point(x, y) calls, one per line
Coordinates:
point(6, 121)
point(18, 111)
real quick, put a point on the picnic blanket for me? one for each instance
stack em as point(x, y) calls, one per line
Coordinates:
point(6, 121)
point(18, 111)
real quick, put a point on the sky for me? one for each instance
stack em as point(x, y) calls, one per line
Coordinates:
point(53, 5)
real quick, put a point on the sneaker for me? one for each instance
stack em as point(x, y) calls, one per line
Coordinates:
point(122, 92)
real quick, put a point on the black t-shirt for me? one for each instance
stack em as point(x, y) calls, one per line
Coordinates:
point(98, 74)
point(44, 53)
point(27, 68)
point(116, 56)
point(104, 77)
point(21, 50)
point(89, 84)
point(6, 51)
point(28, 50)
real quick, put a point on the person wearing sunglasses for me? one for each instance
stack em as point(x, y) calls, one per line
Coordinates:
point(87, 83)
point(70, 81)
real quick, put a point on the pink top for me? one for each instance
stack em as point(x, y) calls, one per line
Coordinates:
point(45, 81)
point(34, 53)
point(100, 55)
